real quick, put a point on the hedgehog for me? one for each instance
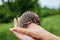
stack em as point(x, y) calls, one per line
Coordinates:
point(28, 18)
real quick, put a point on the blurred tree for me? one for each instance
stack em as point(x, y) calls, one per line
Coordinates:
point(49, 12)
point(21, 6)
point(15, 8)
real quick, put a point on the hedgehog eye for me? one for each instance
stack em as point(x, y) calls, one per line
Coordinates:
point(32, 18)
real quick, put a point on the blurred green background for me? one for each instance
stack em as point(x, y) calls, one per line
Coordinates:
point(50, 18)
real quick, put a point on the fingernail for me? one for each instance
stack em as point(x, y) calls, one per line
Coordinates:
point(14, 29)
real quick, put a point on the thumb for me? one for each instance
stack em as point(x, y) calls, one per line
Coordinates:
point(23, 30)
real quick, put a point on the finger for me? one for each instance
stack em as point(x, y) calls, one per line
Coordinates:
point(18, 22)
point(15, 22)
point(25, 31)
point(22, 30)
point(21, 36)
point(16, 34)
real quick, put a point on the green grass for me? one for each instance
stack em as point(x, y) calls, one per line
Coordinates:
point(5, 34)
point(52, 24)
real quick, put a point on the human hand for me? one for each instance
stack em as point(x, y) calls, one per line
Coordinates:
point(36, 31)
point(20, 35)
point(32, 31)
point(17, 29)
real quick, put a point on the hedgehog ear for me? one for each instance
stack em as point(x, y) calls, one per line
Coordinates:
point(19, 22)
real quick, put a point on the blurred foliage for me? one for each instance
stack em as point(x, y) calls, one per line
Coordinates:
point(49, 12)
point(15, 8)
point(52, 24)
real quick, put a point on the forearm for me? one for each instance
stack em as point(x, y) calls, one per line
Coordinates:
point(45, 35)
point(49, 36)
